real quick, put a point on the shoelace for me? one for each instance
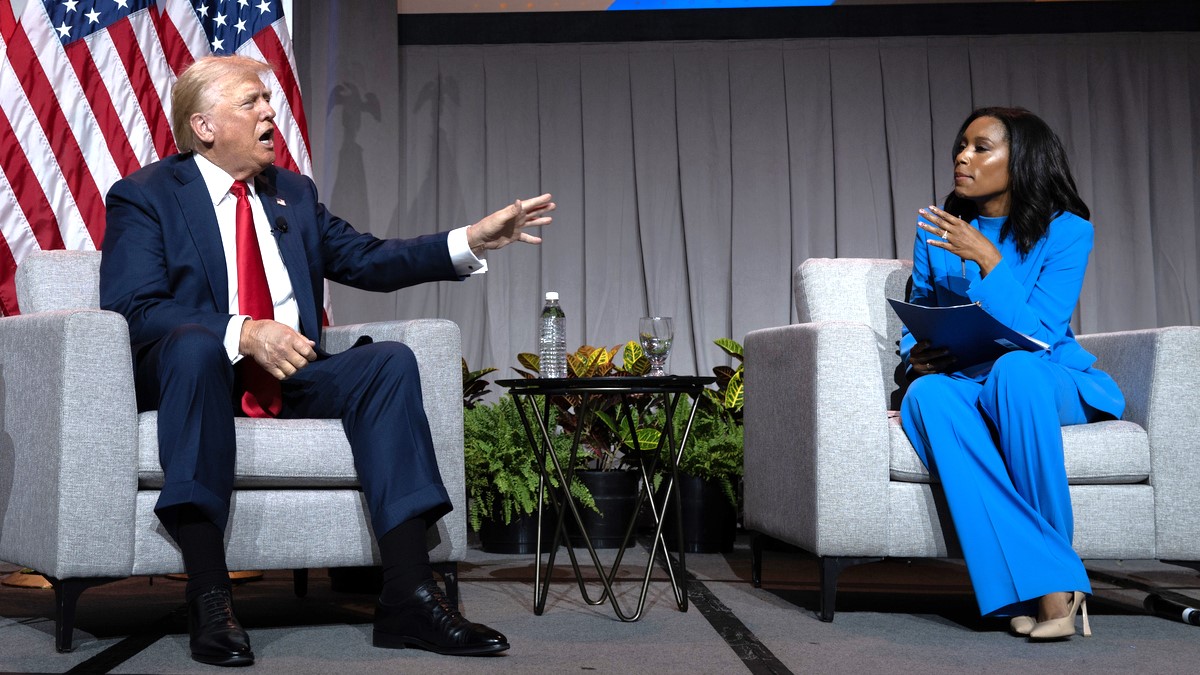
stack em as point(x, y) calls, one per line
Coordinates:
point(217, 606)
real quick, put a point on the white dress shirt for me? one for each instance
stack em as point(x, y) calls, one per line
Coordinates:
point(286, 309)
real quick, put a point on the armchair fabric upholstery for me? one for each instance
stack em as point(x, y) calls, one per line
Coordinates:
point(829, 469)
point(79, 472)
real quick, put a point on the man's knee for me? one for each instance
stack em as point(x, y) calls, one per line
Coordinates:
point(192, 351)
point(193, 342)
point(393, 358)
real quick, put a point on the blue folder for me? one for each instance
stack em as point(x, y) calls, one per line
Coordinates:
point(968, 331)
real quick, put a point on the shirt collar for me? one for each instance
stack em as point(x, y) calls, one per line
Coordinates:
point(216, 179)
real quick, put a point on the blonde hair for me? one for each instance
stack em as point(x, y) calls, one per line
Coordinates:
point(197, 89)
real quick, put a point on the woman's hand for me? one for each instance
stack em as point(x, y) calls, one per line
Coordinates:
point(958, 237)
point(926, 359)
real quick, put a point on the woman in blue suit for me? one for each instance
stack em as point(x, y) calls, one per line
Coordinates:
point(1014, 238)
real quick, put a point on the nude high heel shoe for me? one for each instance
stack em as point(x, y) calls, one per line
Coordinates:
point(1021, 625)
point(1064, 627)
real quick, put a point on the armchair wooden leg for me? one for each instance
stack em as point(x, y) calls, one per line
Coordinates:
point(300, 582)
point(831, 567)
point(449, 573)
point(66, 596)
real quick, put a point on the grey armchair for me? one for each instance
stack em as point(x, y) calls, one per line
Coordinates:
point(79, 473)
point(829, 469)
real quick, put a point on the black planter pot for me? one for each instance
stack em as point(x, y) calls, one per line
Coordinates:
point(709, 520)
point(519, 536)
point(615, 493)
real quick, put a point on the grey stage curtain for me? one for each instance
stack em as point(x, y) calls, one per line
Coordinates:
point(692, 178)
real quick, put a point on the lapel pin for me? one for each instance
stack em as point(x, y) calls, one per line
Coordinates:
point(279, 201)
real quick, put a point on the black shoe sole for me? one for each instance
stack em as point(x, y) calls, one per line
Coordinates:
point(227, 660)
point(391, 641)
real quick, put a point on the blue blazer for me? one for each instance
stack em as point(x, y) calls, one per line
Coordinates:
point(164, 266)
point(1034, 294)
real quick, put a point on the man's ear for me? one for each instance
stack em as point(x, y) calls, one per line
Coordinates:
point(202, 128)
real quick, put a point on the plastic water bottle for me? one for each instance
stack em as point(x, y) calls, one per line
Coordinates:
point(553, 339)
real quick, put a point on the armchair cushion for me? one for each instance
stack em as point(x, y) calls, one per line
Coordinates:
point(1102, 453)
point(304, 453)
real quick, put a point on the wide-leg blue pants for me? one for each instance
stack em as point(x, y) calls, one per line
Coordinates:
point(995, 443)
point(374, 389)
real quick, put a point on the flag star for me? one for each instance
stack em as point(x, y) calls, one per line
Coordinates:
point(123, 4)
point(64, 31)
point(243, 3)
point(264, 7)
point(202, 9)
point(71, 4)
point(93, 16)
point(240, 25)
point(220, 20)
point(218, 45)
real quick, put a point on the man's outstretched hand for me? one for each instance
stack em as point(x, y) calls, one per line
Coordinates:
point(508, 224)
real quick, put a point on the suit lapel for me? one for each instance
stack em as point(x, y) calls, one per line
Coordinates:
point(196, 205)
point(279, 206)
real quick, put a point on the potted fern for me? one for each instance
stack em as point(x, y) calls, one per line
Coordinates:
point(501, 473)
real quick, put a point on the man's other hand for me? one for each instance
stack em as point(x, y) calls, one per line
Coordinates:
point(508, 224)
point(280, 350)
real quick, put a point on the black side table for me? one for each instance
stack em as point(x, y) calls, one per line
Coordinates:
point(668, 390)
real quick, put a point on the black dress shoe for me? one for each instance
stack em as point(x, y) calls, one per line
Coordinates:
point(216, 636)
point(428, 621)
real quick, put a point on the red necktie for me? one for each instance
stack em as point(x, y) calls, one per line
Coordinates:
point(262, 397)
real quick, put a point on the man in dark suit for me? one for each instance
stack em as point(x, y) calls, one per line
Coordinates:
point(216, 258)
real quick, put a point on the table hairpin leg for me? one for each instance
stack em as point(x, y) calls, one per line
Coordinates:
point(658, 511)
point(545, 450)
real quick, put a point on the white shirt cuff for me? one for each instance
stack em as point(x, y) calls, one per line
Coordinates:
point(464, 260)
point(233, 337)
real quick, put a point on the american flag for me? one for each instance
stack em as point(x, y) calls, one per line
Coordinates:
point(85, 99)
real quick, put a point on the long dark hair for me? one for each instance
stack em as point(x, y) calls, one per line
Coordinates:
point(1039, 179)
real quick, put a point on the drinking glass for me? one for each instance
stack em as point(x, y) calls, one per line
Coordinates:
point(655, 334)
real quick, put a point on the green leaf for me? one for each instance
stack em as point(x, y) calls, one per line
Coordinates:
point(530, 361)
point(730, 347)
point(735, 392)
point(634, 361)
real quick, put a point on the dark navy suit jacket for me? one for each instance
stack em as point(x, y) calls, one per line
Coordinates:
point(164, 266)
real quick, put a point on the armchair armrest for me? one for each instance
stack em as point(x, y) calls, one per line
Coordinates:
point(817, 451)
point(1159, 373)
point(68, 443)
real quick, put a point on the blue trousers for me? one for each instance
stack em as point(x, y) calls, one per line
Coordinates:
point(374, 389)
point(995, 443)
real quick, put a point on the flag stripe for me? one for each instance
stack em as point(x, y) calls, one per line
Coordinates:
point(65, 150)
point(174, 48)
point(162, 78)
point(139, 78)
point(8, 22)
point(111, 76)
point(102, 107)
point(273, 53)
point(27, 191)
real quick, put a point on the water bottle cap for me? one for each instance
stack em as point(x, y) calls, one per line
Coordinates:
point(551, 295)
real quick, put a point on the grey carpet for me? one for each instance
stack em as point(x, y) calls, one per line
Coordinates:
point(894, 616)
